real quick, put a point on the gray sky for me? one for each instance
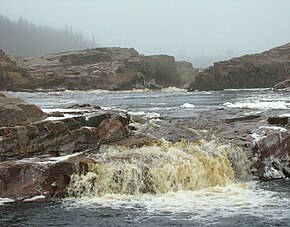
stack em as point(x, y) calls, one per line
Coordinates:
point(184, 28)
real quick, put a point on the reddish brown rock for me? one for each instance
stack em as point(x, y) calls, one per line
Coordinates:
point(20, 137)
point(20, 180)
point(14, 111)
point(272, 147)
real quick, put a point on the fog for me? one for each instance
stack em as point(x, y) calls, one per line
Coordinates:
point(200, 31)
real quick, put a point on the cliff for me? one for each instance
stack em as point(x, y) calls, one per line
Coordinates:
point(249, 71)
point(100, 68)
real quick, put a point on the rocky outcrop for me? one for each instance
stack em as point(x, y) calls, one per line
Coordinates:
point(100, 68)
point(13, 77)
point(15, 111)
point(37, 152)
point(250, 71)
point(63, 135)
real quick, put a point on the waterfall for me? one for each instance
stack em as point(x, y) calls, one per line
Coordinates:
point(158, 169)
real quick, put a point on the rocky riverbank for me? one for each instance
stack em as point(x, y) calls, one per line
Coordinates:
point(40, 152)
point(35, 146)
point(250, 71)
point(100, 68)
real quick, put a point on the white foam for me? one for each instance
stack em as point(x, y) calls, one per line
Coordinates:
point(63, 110)
point(50, 160)
point(61, 118)
point(285, 115)
point(248, 89)
point(113, 108)
point(253, 113)
point(261, 133)
point(274, 128)
point(173, 89)
point(38, 197)
point(97, 91)
point(187, 105)
point(146, 115)
point(257, 105)
point(257, 137)
point(211, 203)
point(5, 200)
point(152, 115)
point(137, 113)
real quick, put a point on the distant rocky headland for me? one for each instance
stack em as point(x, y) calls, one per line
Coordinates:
point(250, 71)
point(100, 68)
point(125, 69)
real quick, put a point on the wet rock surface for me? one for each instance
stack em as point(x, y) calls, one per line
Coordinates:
point(264, 135)
point(14, 111)
point(37, 157)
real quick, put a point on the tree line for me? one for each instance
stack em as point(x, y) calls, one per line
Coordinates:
point(23, 38)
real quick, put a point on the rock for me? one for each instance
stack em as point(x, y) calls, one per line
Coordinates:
point(49, 178)
point(96, 119)
point(49, 175)
point(13, 77)
point(99, 68)
point(86, 106)
point(17, 112)
point(278, 120)
point(250, 71)
point(21, 137)
point(2, 94)
point(261, 141)
point(273, 145)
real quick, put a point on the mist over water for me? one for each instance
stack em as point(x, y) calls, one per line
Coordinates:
point(197, 31)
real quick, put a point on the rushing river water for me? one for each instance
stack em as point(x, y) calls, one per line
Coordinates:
point(231, 203)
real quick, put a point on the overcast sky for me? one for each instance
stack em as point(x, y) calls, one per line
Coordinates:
point(184, 28)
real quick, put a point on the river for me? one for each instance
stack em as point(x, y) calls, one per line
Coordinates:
point(232, 203)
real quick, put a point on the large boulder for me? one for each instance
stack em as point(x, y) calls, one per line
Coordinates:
point(250, 71)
